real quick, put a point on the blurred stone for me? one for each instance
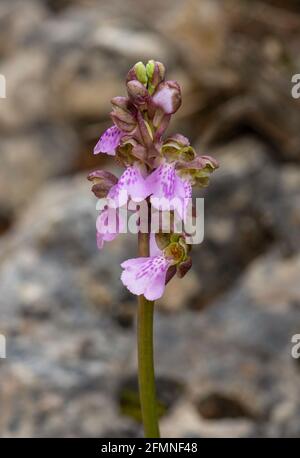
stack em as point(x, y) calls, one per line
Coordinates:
point(198, 29)
point(17, 19)
point(64, 348)
point(79, 92)
point(250, 205)
point(180, 293)
point(129, 43)
point(185, 422)
point(239, 350)
point(28, 96)
point(28, 160)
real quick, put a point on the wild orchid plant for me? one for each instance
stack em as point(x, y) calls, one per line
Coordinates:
point(160, 172)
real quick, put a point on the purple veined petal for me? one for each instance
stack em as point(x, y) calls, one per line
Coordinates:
point(146, 276)
point(130, 273)
point(131, 184)
point(184, 191)
point(161, 182)
point(109, 141)
point(166, 185)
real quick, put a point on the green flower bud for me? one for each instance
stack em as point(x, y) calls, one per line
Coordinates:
point(156, 73)
point(150, 67)
point(141, 73)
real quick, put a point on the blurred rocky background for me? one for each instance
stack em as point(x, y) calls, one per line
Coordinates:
point(223, 334)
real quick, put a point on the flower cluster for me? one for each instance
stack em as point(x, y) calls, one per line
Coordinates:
point(158, 169)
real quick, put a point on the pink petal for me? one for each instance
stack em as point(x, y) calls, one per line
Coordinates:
point(156, 288)
point(131, 184)
point(146, 276)
point(161, 182)
point(165, 183)
point(109, 141)
point(133, 263)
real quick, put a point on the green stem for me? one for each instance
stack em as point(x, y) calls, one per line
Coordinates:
point(145, 356)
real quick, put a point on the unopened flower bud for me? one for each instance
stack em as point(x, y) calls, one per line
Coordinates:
point(122, 114)
point(102, 182)
point(155, 73)
point(167, 97)
point(138, 72)
point(138, 93)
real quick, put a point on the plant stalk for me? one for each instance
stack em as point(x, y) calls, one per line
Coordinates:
point(145, 356)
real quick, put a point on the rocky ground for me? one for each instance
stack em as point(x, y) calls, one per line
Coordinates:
point(223, 334)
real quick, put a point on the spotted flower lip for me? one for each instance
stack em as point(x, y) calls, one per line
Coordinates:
point(146, 275)
point(167, 187)
point(132, 185)
point(109, 141)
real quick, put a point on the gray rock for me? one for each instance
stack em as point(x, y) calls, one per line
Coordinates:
point(28, 160)
point(235, 358)
point(64, 347)
point(250, 205)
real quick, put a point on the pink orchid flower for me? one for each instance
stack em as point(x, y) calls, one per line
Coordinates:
point(146, 275)
point(131, 184)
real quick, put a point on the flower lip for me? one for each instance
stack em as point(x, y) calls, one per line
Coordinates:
point(146, 276)
point(109, 141)
point(131, 184)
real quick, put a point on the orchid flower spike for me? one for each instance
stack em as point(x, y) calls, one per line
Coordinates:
point(160, 170)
